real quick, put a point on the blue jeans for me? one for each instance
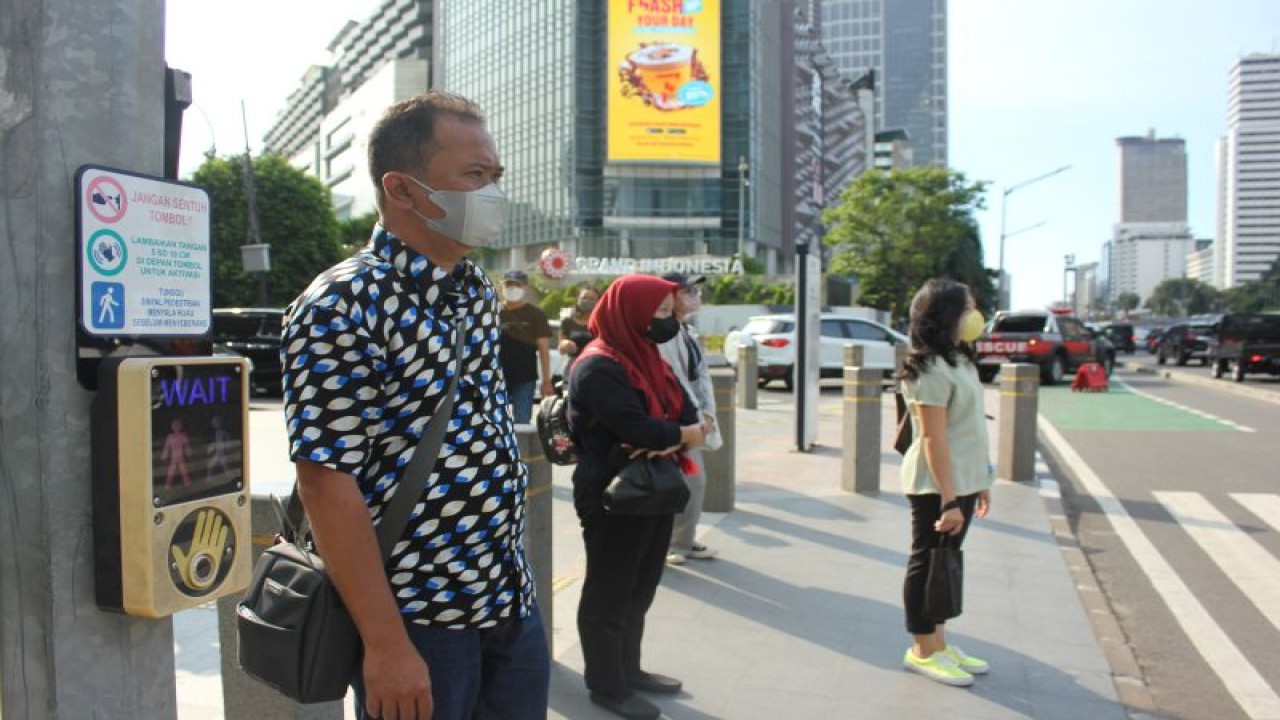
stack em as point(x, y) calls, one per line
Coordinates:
point(522, 400)
point(498, 673)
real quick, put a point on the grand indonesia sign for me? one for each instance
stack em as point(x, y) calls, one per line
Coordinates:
point(558, 264)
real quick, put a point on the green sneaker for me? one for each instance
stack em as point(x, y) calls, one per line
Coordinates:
point(937, 667)
point(968, 663)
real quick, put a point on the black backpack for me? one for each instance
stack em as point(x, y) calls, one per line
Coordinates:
point(554, 433)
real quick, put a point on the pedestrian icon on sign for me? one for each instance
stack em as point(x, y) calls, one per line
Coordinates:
point(107, 300)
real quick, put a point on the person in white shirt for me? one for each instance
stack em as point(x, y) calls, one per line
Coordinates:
point(689, 364)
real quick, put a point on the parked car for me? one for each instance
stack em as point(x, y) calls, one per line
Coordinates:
point(1121, 336)
point(1244, 344)
point(1184, 341)
point(775, 339)
point(1058, 343)
point(255, 334)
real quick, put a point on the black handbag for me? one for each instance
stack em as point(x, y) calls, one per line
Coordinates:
point(902, 439)
point(294, 632)
point(944, 583)
point(647, 486)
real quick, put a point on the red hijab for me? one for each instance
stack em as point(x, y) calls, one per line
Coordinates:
point(618, 324)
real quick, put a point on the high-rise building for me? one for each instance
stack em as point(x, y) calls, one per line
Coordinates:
point(1250, 216)
point(655, 131)
point(1153, 179)
point(1200, 262)
point(1150, 239)
point(324, 127)
point(905, 43)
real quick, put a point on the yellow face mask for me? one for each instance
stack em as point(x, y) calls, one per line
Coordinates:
point(971, 324)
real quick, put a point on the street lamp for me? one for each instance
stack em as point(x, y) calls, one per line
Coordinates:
point(1004, 207)
point(742, 209)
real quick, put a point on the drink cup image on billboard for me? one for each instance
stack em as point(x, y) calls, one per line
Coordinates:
point(665, 76)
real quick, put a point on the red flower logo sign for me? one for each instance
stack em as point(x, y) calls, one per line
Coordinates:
point(555, 264)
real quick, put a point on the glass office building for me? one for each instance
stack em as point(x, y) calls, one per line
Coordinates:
point(905, 43)
point(539, 71)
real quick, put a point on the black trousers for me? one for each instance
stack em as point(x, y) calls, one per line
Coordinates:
point(925, 511)
point(625, 559)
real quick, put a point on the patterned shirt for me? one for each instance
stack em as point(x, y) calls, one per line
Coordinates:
point(367, 356)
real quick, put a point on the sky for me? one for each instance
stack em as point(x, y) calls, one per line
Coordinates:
point(1033, 85)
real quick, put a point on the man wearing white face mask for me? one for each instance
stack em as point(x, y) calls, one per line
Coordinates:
point(371, 351)
point(689, 364)
point(526, 345)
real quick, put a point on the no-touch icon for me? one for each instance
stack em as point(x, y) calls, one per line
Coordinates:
point(107, 300)
point(106, 199)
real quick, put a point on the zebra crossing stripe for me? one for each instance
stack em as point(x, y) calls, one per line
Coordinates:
point(1265, 505)
point(1249, 565)
point(1240, 678)
point(1184, 408)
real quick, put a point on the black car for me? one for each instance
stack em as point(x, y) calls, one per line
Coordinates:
point(1185, 341)
point(255, 334)
point(1121, 336)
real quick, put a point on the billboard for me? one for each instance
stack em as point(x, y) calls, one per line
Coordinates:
point(663, 81)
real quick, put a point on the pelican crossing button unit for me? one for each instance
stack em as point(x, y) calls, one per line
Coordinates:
point(170, 483)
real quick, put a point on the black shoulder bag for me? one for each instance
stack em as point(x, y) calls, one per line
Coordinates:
point(294, 632)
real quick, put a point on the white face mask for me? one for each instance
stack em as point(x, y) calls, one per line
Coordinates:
point(513, 294)
point(475, 218)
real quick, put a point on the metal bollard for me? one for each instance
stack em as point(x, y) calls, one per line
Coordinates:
point(748, 376)
point(244, 698)
point(537, 519)
point(860, 462)
point(1019, 403)
point(900, 354)
point(721, 464)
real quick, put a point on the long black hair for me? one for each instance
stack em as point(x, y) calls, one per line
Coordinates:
point(936, 310)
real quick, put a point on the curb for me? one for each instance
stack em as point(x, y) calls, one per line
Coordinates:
point(1126, 673)
point(1189, 379)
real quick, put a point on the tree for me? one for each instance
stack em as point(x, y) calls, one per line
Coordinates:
point(1179, 297)
point(896, 229)
point(295, 217)
point(1127, 301)
point(355, 233)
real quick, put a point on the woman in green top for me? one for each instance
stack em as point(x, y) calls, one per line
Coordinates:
point(945, 472)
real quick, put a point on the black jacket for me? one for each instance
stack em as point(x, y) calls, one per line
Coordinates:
point(606, 411)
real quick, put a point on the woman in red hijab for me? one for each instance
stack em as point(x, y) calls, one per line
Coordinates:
point(623, 399)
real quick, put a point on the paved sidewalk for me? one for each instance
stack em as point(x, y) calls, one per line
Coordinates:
point(800, 615)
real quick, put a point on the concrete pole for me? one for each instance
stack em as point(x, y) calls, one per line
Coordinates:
point(722, 464)
point(84, 82)
point(1019, 403)
point(860, 462)
point(244, 698)
point(748, 376)
point(537, 520)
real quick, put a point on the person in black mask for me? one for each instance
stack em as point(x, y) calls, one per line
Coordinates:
point(574, 333)
point(624, 402)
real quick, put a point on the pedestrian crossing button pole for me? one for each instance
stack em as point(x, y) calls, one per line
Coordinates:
point(1019, 404)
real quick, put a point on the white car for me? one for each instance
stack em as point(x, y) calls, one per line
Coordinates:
point(775, 339)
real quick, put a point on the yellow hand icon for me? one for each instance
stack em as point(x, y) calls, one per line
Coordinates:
point(198, 566)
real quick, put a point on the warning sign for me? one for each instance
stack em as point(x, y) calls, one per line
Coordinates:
point(145, 259)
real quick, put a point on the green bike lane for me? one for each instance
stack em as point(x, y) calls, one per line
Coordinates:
point(1185, 570)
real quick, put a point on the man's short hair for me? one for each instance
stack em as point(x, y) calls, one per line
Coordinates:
point(404, 137)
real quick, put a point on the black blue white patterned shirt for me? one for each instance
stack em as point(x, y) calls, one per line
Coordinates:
point(367, 356)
